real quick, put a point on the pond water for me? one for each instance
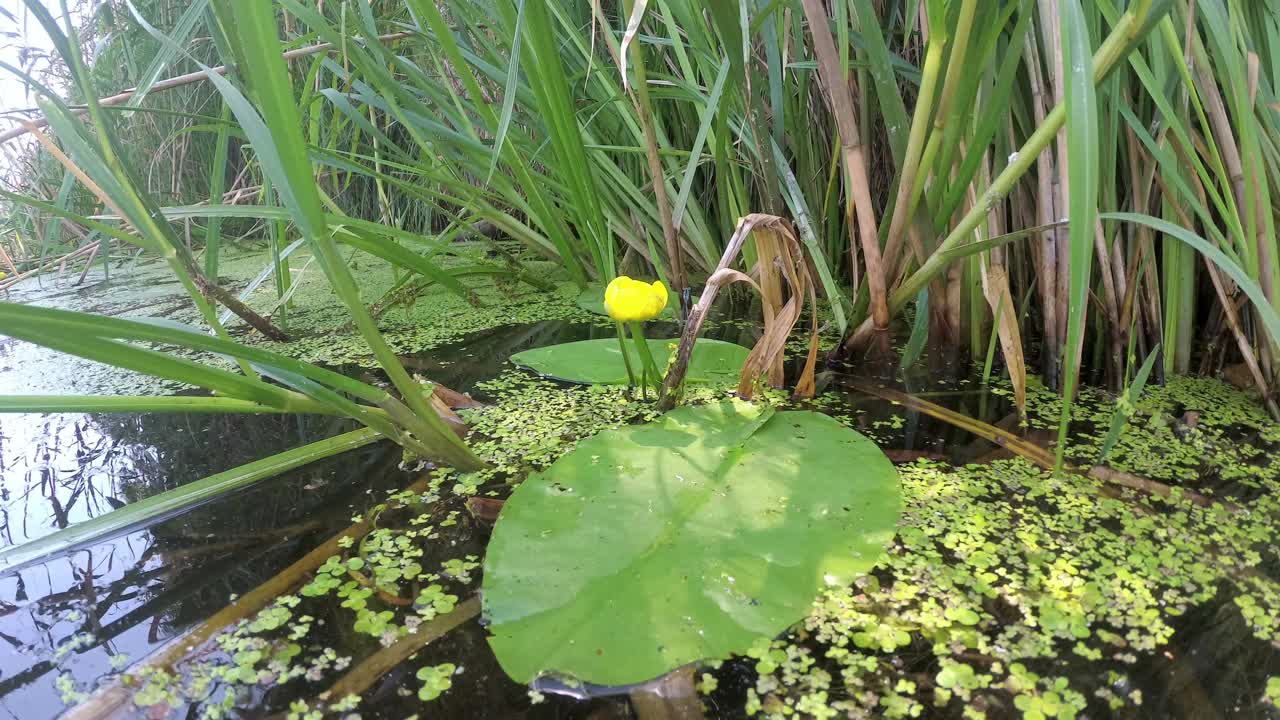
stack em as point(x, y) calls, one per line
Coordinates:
point(1085, 601)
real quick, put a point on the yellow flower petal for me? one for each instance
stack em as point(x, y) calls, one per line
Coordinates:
point(661, 291)
point(628, 300)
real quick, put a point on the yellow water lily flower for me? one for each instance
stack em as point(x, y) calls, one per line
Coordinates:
point(629, 300)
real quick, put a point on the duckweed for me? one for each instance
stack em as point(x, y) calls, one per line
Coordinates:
point(1000, 567)
point(534, 421)
point(1188, 429)
point(1002, 579)
point(436, 680)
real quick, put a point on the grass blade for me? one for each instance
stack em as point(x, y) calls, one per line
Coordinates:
point(1124, 408)
point(1082, 169)
point(1250, 287)
point(276, 135)
point(134, 404)
point(508, 93)
point(919, 331)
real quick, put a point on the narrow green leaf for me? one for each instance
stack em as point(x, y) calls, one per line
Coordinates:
point(131, 404)
point(1082, 169)
point(705, 121)
point(508, 92)
point(1233, 270)
point(1131, 395)
point(919, 331)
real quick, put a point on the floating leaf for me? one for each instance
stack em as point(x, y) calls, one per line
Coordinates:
point(599, 362)
point(652, 546)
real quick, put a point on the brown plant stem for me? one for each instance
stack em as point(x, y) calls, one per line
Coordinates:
point(789, 260)
point(1015, 444)
point(359, 678)
point(1045, 209)
point(830, 70)
point(1114, 48)
point(74, 254)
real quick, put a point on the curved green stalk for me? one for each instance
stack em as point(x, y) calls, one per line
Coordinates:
point(646, 357)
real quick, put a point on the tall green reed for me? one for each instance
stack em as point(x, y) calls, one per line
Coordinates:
point(518, 117)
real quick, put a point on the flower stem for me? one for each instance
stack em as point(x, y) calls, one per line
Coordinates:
point(642, 347)
point(626, 356)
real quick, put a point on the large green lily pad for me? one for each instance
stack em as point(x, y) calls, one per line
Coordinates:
point(599, 362)
point(651, 546)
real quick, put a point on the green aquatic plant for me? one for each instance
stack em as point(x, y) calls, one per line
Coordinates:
point(726, 540)
point(605, 361)
point(281, 643)
point(433, 601)
point(630, 303)
point(426, 321)
point(1185, 431)
point(534, 421)
point(1009, 577)
point(590, 168)
point(768, 654)
point(67, 690)
point(881, 636)
point(1125, 409)
point(1079, 573)
point(436, 680)
point(960, 680)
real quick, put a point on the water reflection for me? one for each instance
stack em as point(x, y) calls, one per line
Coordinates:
point(59, 469)
point(56, 470)
point(117, 601)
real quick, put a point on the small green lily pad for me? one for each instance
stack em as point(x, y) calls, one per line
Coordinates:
point(651, 546)
point(599, 362)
